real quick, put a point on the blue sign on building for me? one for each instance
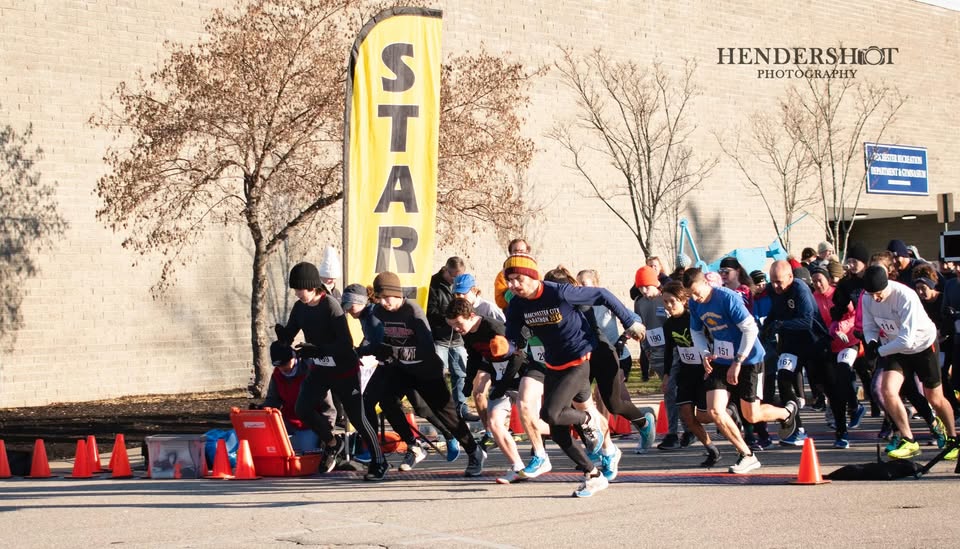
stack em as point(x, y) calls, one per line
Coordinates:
point(895, 169)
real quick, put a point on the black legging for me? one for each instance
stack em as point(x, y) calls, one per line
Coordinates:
point(605, 369)
point(426, 378)
point(346, 386)
point(559, 389)
point(840, 388)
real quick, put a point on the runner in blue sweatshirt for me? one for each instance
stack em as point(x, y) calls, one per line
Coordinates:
point(550, 311)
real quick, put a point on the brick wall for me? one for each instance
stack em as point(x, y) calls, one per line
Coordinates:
point(92, 329)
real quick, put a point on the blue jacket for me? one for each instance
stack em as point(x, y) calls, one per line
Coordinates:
point(797, 320)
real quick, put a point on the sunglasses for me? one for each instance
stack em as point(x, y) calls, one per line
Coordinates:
point(725, 271)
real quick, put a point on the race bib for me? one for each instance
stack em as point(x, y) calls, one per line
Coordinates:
point(324, 361)
point(723, 349)
point(655, 337)
point(500, 368)
point(538, 354)
point(787, 362)
point(847, 356)
point(689, 355)
point(889, 327)
point(368, 364)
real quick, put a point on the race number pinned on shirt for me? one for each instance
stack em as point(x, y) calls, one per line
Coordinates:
point(689, 355)
point(787, 362)
point(500, 368)
point(723, 349)
point(538, 354)
point(847, 356)
point(368, 364)
point(324, 361)
point(655, 337)
point(888, 328)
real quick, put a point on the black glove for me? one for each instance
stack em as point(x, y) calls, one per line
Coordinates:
point(282, 334)
point(634, 293)
point(873, 350)
point(382, 351)
point(858, 334)
point(308, 350)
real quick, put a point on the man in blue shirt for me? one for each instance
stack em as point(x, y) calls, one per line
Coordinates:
point(734, 364)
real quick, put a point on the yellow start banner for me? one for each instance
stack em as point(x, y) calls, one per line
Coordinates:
point(390, 150)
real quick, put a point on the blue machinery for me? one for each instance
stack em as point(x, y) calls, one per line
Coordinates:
point(750, 258)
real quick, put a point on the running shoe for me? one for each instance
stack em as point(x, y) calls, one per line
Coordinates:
point(952, 454)
point(610, 465)
point(802, 403)
point(820, 404)
point(893, 444)
point(363, 457)
point(831, 421)
point(764, 442)
point(330, 455)
point(475, 465)
point(591, 485)
point(905, 450)
point(670, 442)
point(486, 442)
point(377, 471)
point(939, 431)
point(796, 439)
point(453, 449)
point(510, 477)
point(788, 427)
point(857, 416)
point(647, 435)
point(841, 442)
point(537, 466)
point(745, 464)
point(713, 456)
point(592, 436)
point(414, 455)
point(686, 439)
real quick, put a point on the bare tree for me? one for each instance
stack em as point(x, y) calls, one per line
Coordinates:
point(831, 118)
point(245, 128)
point(29, 223)
point(637, 119)
point(777, 167)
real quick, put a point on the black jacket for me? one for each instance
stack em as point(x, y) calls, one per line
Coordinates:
point(440, 296)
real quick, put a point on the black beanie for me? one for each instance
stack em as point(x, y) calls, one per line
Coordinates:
point(304, 276)
point(858, 251)
point(874, 279)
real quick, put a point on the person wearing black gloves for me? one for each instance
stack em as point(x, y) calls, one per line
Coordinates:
point(333, 367)
point(495, 366)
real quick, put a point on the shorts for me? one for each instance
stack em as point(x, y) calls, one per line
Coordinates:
point(534, 370)
point(924, 364)
point(749, 387)
point(502, 404)
point(690, 386)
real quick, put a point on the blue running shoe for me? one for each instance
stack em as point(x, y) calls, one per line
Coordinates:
point(363, 456)
point(796, 439)
point(453, 449)
point(841, 442)
point(610, 465)
point(647, 434)
point(537, 466)
point(857, 417)
point(590, 486)
point(893, 444)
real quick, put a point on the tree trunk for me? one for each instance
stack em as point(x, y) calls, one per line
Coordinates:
point(258, 320)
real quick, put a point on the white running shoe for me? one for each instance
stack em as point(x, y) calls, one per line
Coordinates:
point(414, 455)
point(745, 464)
point(591, 485)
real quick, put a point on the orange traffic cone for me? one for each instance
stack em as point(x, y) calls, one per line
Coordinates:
point(81, 462)
point(809, 465)
point(245, 469)
point(39, 467)
point(119, 461)
point(516, 426)
point(662, 427)
point(93, 455)
point(221, 462)
point(619, 425)
point(177, 470)
point(4, 463)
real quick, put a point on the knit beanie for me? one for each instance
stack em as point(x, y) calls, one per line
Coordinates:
point(280, 353)
point(824, 246)
point(304, 276)
point(354, 294)
point(330, 266)
point(729, 263)
point(835, 269)
point(683, 261)
point(818, 268)
point(645, 277)
point(521, 264)
point(387, 284)
point(898, 248)
point(859, 252)
point(801, 273)
point(874, 279)
point(758, 276)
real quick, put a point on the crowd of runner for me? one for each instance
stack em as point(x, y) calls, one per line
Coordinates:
point(736, 349)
